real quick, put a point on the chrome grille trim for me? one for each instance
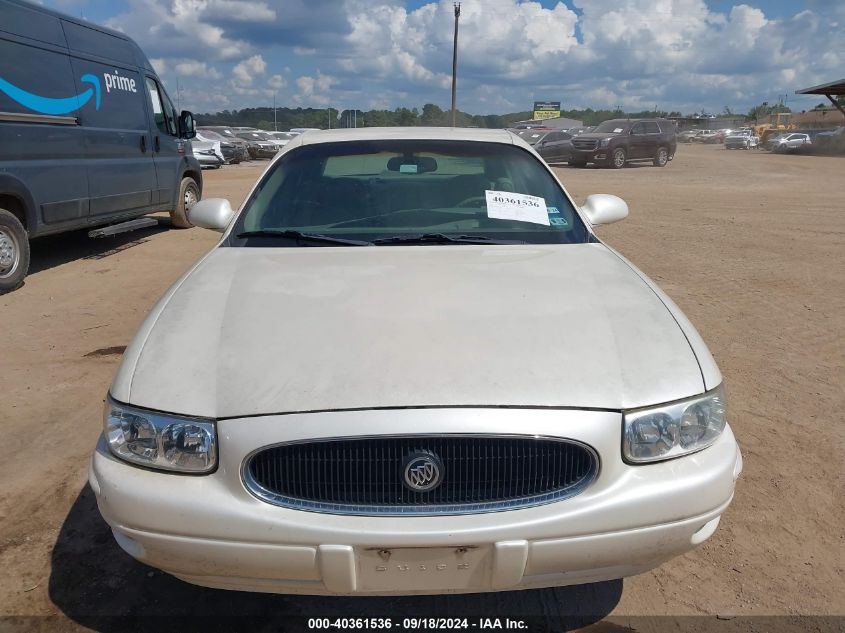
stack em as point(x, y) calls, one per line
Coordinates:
point(473, 507)
point(584, 144)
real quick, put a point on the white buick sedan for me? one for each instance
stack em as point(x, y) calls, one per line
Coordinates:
point(410, 366)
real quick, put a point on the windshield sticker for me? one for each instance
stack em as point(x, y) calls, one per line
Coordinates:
point(559, 221)
point(553, 210)
point(506, 205)
point(408, 168)
point(617, 130)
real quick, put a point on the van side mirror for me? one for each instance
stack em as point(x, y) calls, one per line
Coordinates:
point(602, 208)
point(212, 213)
point(187, 125)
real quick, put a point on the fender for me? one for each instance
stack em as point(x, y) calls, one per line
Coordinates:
point(10, 185)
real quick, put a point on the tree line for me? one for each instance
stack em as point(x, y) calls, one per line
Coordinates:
point(429, 115)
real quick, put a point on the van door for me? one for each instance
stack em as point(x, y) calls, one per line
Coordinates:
point(42, 153)
point(168, 150)
point(120, 172)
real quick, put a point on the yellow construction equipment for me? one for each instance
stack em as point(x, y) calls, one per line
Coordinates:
point(779, 122)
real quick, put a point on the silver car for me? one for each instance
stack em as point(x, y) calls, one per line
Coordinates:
point(790, 142)
point(411, 366)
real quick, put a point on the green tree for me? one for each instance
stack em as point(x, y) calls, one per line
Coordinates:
point(432, 115)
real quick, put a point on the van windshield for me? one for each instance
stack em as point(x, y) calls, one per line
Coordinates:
point(373, 190)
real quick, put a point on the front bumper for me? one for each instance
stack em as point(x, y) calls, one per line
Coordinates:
point(210, 531)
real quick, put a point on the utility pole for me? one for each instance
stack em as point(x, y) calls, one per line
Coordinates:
point(275, 126)
point(455, 65)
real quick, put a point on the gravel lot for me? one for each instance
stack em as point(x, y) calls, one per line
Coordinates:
point(750, 245)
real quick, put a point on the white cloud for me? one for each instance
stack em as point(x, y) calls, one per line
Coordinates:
point(314, 90)
point(159, 64)
point(277, 82)
point(196, 69)
point(246, 70)
point(677, 54)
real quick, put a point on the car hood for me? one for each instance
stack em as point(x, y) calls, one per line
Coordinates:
point(267, 330)
point(597, 136)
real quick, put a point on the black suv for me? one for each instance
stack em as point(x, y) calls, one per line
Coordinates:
point(620, 141)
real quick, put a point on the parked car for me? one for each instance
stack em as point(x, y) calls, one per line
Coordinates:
point(742, 139)
point(228, 133)
point(619, 141)
point(231, 153)
point(260, 145)
point(555, 147)
point(331, 400)
point(705, 136)
point(790, 142)
point(686, 136)
point(575, 131)
point(281, 138)
point(531, 135)
point(830, 142)
point(208, 154)
point(88, 135)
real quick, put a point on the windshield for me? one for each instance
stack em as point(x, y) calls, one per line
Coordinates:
point(611, 127)
point(371, 190)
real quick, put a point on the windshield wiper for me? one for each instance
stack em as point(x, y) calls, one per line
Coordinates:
point(301, 237)
point(441, 238)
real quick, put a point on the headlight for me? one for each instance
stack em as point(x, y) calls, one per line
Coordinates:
point(604, 142)
point(160, 440)
point(675, 429)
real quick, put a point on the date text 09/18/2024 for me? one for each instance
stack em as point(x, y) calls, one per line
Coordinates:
point(422, 624)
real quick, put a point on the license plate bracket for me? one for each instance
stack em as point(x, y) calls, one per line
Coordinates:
point(423, 568)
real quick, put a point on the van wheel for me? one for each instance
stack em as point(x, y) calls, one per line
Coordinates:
point(662, 157)
point(617, 160)
point(189, 195)
point(14, 252)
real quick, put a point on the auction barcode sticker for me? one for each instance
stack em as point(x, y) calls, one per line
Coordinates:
point(506, 205)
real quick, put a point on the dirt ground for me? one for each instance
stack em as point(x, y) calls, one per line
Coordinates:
point(750, 245)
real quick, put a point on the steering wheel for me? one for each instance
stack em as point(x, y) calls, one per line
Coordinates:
point(473, 201)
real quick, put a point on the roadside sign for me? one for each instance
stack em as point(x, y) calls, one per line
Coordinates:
point(546, 109)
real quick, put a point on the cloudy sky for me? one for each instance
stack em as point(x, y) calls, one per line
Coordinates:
point(685, 55)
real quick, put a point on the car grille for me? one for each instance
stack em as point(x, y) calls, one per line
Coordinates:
point(386, 475)
point(584, 143)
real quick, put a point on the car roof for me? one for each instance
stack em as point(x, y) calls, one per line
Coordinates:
point(407, 133)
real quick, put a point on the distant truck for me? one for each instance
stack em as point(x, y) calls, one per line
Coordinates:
point(743, 138)
point(88, 135)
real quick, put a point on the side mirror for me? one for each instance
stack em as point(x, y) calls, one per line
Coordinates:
point(213, 213)
point(187, 125)
point(602, 208)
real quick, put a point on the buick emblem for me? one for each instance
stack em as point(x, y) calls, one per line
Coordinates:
point(423, 471)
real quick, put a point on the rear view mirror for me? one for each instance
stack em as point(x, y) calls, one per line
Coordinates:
point(412, 164)
point(602, 208)
point(187, 125)
point(213, 213)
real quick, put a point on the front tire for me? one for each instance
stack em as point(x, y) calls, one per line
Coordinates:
point(189, 195)
point(661, 159)
point(14, 252)
point(618, 158)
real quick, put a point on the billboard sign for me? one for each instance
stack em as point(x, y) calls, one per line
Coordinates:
point(546, 109)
